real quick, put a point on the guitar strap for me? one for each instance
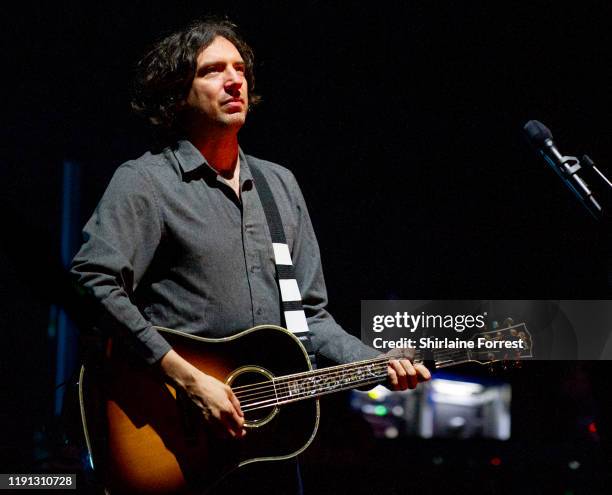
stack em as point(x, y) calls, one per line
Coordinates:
point(293, 311)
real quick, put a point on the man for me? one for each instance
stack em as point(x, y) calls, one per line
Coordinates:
point(180, 237)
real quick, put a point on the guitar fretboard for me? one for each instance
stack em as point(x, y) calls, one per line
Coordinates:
point(311, 384)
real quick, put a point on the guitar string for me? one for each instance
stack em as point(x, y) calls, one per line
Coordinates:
point(284, 382)
point(460, 352)
point(334, 368)
point(262, 402)
point(271, 400)
point(274, 403)
point(438, 355)
point(324, 374)
point(309, 374)
point(253, 390)
point(307, 394)
point(445, 354)
point(323, 382)
point(453, 353)
point(378, 374)
point(274, 400)
point(319, 380)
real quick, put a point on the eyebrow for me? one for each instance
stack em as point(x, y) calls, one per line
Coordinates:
point(222, 62)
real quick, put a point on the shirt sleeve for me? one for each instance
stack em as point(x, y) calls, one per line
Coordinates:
point(328, 338)
point(120, 240)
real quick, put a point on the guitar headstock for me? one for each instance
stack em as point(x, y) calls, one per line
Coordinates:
point(510, 342)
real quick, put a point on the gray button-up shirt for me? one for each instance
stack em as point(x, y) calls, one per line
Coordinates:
point(170, 244)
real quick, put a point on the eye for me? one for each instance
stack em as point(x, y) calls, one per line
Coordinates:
point(210, 70)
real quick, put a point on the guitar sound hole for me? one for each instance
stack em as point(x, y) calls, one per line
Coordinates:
point(255, 390)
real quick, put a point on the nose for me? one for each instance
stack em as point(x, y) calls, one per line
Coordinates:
point(233, 81)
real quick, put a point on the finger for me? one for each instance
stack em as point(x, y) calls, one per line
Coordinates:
point(402, 378)
point(235, 402)
point(237, 414)
point(392, 376)
point(233, 423)
point(423, 373)
point(237, 419)
point(403, 374)
point(238, 433)
point(411, 374)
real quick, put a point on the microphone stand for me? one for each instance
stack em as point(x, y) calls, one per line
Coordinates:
point(590, 165)
point(606, 218)
point(568, 173)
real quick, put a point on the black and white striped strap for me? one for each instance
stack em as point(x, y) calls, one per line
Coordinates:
point(293, 311)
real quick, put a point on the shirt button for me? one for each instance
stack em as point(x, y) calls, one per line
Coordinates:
point(254, 268)
point(259, 311)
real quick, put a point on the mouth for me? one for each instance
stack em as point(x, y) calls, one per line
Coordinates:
point(233, 101)
point(234, 106)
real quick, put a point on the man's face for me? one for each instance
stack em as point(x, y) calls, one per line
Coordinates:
point(219, 93)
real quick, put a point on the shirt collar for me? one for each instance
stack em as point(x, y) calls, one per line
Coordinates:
point(245, 171)
point(190, 158)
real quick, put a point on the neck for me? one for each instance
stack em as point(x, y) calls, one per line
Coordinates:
point(312, 384)
point(219, 149)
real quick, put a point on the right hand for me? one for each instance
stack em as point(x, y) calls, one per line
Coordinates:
point(219, 406)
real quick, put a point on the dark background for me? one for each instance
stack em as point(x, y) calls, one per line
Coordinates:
point(402, 121)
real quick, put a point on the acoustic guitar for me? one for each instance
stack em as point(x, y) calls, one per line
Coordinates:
point(144, 438)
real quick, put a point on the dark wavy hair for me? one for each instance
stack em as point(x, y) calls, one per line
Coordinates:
point(164, 75)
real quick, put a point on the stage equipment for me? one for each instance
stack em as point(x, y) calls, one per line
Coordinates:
point(567, 168)
point(447, 407)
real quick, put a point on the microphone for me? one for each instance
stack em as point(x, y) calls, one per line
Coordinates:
point(566, 167)
point(540, 137)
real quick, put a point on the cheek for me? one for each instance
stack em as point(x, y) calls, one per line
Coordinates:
point(192, 98)
point(200, 97)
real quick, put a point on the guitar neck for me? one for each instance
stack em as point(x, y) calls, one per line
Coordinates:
point(313, 384)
